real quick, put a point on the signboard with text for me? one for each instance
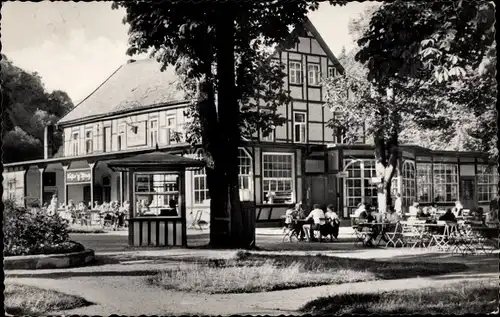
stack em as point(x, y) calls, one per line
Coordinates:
point(78, 177)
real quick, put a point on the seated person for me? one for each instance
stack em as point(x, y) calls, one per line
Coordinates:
point(366, 216)
point(392, 216)
point(414, 210)
point(424, 213)
point(448, 216)
point(457, 210)
point(359, 210)
point(318, 217)
point(171, 211)
point(290, 215)
point(333, 222)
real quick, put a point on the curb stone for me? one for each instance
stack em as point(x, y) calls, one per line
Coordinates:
point(49, 261)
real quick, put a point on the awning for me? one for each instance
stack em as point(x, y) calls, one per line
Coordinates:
point(156, 161)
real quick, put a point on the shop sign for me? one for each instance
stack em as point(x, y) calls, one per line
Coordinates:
point(78, 176)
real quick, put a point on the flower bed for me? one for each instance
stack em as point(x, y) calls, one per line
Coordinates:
point(34, 232)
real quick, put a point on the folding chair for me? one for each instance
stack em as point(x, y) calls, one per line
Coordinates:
point(197, 220)
point(412, 235)
point(441, 238)
point(394, 235)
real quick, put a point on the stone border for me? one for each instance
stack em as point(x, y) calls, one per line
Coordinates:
point(48, 261)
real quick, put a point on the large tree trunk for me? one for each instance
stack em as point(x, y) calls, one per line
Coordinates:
point(386, 159)
point(228, 113)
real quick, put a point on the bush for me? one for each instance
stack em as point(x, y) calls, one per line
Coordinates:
point(29, 233)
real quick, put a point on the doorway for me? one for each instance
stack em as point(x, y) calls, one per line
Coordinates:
point(316, 190)
point(467, 193)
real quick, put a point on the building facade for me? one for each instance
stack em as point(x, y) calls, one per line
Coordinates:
point(139, 108)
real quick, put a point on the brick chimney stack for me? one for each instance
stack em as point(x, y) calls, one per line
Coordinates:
point(48, 142)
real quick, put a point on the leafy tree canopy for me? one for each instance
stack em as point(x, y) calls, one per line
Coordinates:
point(27, 109)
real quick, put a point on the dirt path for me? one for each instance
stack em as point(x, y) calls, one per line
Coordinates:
point(130, 295)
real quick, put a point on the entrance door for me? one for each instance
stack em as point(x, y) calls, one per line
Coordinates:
point(86, 194)
point(316, 190)
point(467, 192)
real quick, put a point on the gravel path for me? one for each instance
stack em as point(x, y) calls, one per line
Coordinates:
point(119, 287)
point(132, 296)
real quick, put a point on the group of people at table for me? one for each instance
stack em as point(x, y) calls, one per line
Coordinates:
point(327, 223)
point(369, 219)
point(110, 212)
point(375, 224)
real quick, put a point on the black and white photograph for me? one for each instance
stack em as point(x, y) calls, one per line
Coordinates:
point(230, 157)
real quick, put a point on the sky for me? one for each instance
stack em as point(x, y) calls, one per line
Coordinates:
point(74, 47)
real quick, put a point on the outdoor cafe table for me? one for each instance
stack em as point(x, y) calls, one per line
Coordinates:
point(362, 235)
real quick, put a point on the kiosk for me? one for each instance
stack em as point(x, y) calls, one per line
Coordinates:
point(156, 196)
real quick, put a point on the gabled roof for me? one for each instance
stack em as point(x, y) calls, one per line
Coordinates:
point(135, 85)
point(308, 26)
point(311, 28)
point(141, 84)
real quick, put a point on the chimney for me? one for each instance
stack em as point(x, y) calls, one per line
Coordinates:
point(48, 142)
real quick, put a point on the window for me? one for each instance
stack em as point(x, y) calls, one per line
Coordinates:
point(277, 170)
point(200, 186)
point(107, 139)
point(75, 144)
point(331, 71)
point(299, 127)
point(358, 183)
point(313, 74)
point(156, 193)
point(295, 73)
point(424, 182)
point(121, 137)
point(270, 136)
point(245, 174)
point(445, 182)
point(153, 132)
point(171, 129)
point(408, 183)
point(487, 183)
point(88, 142)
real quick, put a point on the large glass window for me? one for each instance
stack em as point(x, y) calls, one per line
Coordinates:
point(156, 194)
point(245, 174)
point(313, 74)
point(200, 188)
point(353, 190)
point(358, 183)
point(487, 183)
point(277, 170)
point(424, 182)
point(445, 182)
point(295, 72)
point(299, 124)
point(409, 187)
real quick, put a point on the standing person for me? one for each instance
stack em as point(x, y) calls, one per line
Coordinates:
point(334, 221)
point(398, 204)
point(318, 216)
point(457, 210)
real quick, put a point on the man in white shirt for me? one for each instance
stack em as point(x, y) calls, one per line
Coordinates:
point(318, 215)
point(359, 210)
point(398, 204)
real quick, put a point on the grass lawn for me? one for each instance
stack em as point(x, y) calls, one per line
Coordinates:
point(259, 273)
point(28, 300)
point(458, 298)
